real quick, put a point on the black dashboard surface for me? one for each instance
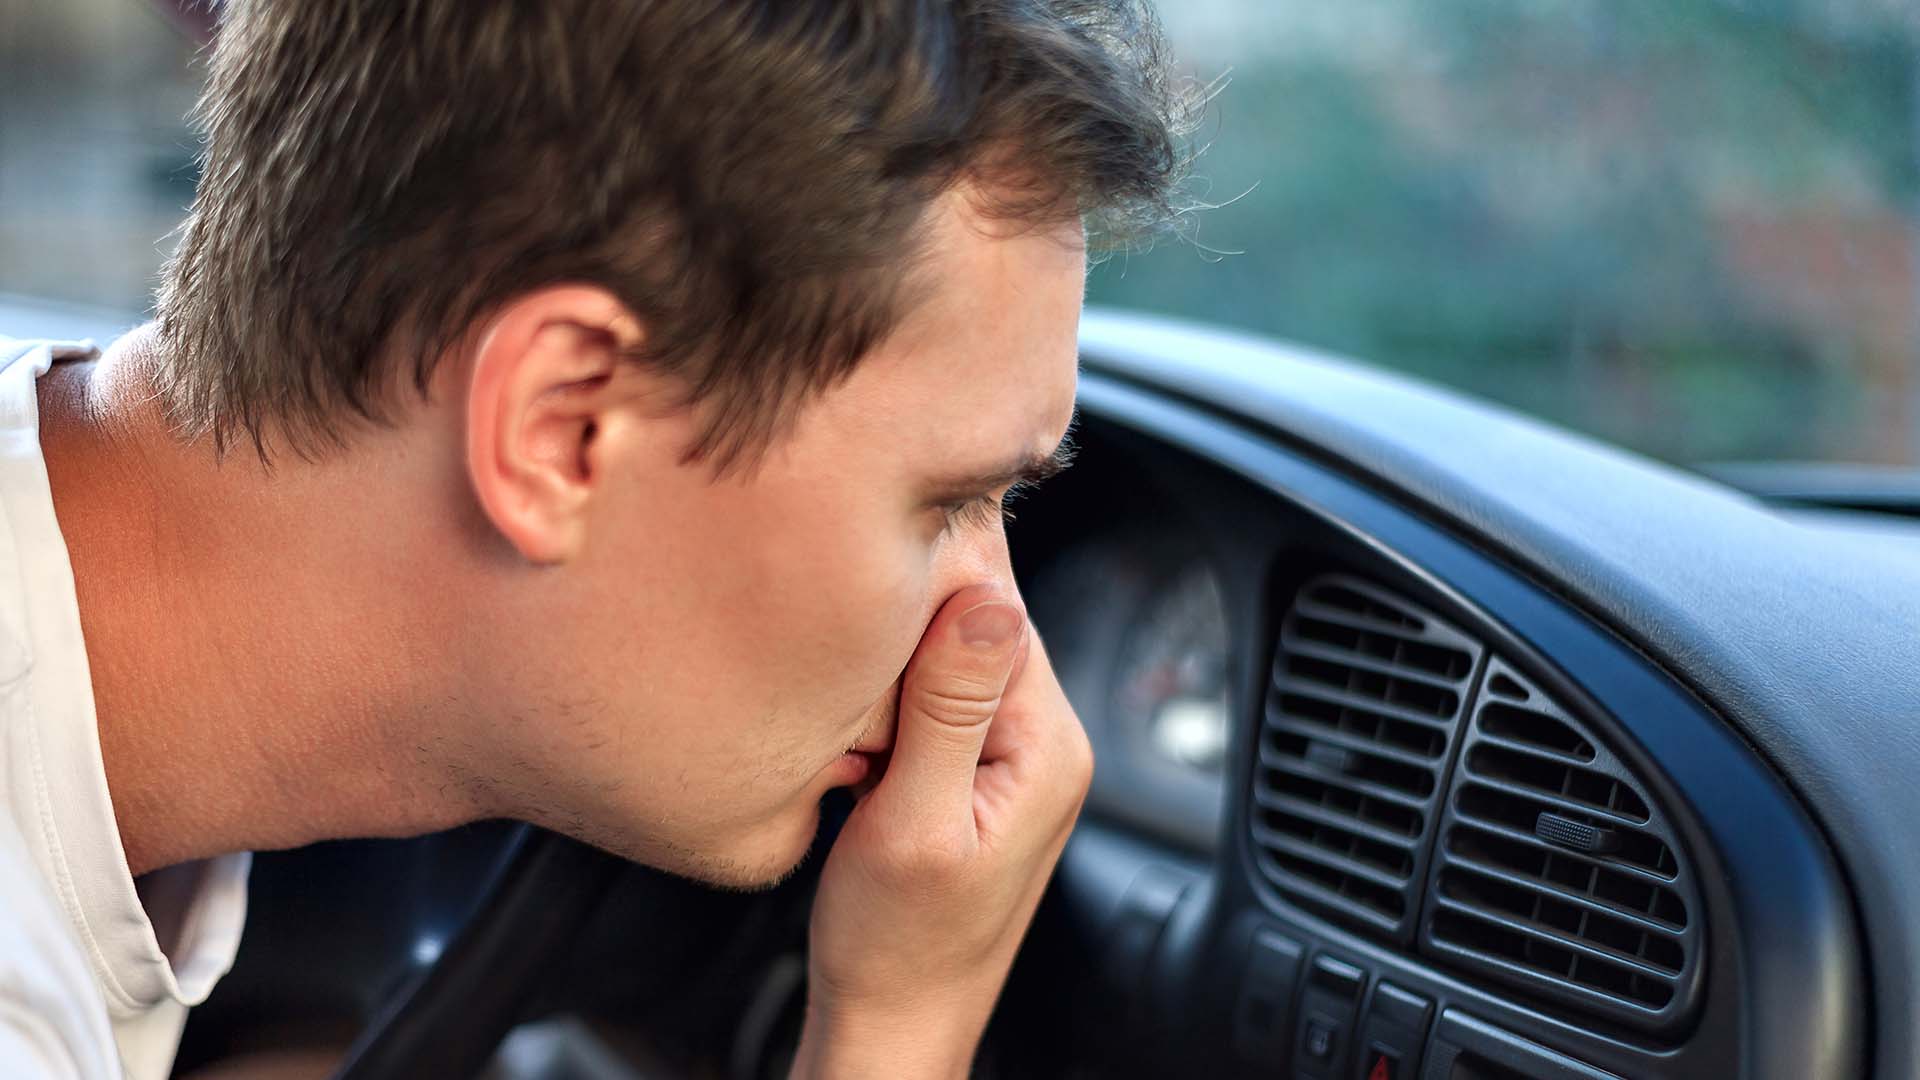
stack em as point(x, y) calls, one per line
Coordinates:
point(1785, 962)
point(1806, 641)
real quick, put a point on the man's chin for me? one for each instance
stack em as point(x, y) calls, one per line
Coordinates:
point(745, 877)
point(762, 861)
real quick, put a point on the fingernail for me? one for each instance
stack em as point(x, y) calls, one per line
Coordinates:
point(991, 625)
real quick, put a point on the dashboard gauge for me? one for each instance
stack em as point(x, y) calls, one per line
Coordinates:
point(1139, 635)
point(1170, 684)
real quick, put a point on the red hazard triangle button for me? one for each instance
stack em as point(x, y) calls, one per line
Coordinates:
point(1385, 1067)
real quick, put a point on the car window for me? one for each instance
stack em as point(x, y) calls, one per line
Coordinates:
point(1685, 225)
point(96, 159)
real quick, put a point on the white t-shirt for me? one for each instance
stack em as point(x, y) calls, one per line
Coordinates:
point(87, 989)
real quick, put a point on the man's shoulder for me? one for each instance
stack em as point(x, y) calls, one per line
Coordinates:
point(17, 449)
point(17, 349)
point(53, 1021)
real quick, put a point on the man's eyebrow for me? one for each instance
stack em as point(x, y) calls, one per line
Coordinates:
point(1027, 470)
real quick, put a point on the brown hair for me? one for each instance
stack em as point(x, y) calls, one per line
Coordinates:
point(746, 175)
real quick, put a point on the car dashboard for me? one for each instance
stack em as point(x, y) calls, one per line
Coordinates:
point(1415, 762)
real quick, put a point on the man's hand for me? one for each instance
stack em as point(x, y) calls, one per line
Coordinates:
point(935, 876)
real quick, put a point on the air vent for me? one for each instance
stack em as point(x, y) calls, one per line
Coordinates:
point(1367, 693)
point(1556, 871)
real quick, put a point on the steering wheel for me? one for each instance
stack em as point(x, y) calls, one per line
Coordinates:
point(447, 1020)
point(539, 903)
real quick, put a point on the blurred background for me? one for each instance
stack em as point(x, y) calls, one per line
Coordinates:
point(1689, 226)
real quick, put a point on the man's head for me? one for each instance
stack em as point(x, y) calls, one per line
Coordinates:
point(704, 336)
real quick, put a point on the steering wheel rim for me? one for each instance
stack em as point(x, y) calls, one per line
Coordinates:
point(448, 1019)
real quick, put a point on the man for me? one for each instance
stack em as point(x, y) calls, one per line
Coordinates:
point(595, 413)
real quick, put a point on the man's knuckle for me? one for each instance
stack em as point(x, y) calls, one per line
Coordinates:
point(1073, 756)
point(1080, 759)
point(927, 861)
point(960, 703)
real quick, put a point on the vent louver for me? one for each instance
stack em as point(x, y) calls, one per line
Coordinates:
point(1555, 871)
point(1367, 694)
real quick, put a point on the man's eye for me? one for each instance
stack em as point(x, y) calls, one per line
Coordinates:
point(980, 513)
point(985, 511)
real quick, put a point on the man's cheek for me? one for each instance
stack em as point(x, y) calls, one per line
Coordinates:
point(912, 598)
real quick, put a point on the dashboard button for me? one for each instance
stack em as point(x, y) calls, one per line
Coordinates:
point(1322, 1034)
point(1403, 1007)
point(1329, 1007)
point(1338, 976)
point(1266, 997)
point(1394, 1032)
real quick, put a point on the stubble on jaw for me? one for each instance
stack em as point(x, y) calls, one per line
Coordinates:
point(660, 852)
point(518, 793)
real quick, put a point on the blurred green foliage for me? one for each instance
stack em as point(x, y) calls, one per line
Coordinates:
point(1683, 225)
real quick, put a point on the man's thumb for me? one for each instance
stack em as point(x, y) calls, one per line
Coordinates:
point(949, 695)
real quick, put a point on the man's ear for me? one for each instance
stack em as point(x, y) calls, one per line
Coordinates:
point(540, 391)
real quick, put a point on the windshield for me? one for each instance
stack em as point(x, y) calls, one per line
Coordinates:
point(1688, 226)
point(1684, 225)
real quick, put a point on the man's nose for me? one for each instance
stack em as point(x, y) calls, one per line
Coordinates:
point(982, 558)
point(995, 556)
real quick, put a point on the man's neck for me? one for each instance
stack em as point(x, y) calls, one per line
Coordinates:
point(253, 666)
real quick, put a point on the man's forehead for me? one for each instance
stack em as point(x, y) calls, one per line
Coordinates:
point(998, 411)
point(1002, 309)
point(981, 372)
